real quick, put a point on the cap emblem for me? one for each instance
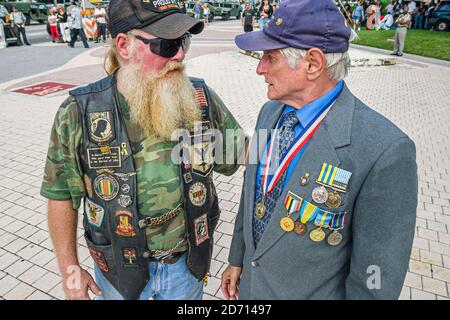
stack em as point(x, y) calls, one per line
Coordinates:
point(160, 5)
point(279, 21)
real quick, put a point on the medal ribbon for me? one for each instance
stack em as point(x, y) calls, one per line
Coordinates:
point(298, 145)
point(338, 221)
point(323, 218)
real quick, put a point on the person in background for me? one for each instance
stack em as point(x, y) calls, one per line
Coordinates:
point(248, 18)
point(100, 16)
point(206, 13)
point(182, 6)
point(358, 16)
point(418, 22)
point(386, 23)
point(197, 10)
point(265, 13)
point(63, 25)
point(390, 8)
point(3, 13)
point(403, 23)
point(76, 27)
point(53, 23)
point(18, 22)
point(428, 14)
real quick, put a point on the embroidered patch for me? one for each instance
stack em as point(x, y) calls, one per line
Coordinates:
point(125, 228)
point(104, 157)
point(129, 256)
point(99, 259)
point(106, 187)
point(100, 126)
point(201, 97)
point(125, 201)
point(94, 212)
point(201, 231)
point(197, 194)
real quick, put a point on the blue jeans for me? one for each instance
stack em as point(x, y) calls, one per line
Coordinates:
point(262, 22)
point(418, 22)
point(167, 282)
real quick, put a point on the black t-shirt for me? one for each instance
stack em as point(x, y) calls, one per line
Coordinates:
point(248, 17)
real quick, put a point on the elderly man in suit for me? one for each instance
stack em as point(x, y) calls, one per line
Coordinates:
point(328, 208)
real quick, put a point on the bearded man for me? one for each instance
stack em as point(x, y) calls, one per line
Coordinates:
point(148, 220)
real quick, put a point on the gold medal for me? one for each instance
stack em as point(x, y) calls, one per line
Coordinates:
point(335, 238)
point(334, 200)
point(299, 227)
point(317, 235)
point(260, 210)
point(287, 224)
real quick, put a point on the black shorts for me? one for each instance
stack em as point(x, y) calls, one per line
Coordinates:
point(248, 28)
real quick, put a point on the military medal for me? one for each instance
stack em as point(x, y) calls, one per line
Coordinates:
point(297, 145)
point(334, 177)
point(260, 210)
point(334, 200)
point(337, 223)
point(299, 227)
point(322, 220)
point(287, 224)
point(317, 235)
point(320, 194)
point(334, 238)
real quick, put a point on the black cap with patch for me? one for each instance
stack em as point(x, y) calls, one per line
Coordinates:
point(161, 18)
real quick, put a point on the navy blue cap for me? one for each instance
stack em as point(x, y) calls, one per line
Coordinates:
point(301, 24)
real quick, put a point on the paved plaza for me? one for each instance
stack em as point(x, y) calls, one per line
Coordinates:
point(413, 94)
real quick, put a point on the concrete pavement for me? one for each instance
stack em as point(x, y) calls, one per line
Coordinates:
point(413, 94)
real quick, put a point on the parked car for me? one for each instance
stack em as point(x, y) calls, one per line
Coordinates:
point(440, 19)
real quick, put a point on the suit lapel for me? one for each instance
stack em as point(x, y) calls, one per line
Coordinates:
point(258, 144)
point(333, 133)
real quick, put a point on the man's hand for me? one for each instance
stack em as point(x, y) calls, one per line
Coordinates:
point(230, 282)
point(77, 284)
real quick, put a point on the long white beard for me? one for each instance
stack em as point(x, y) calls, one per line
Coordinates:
point(161, 102)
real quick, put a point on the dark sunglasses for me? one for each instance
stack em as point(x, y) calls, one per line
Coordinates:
point(167, 48)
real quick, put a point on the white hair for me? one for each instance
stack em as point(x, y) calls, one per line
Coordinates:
point(337, 63)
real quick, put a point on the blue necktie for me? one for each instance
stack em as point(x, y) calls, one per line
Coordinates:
point(285, 136)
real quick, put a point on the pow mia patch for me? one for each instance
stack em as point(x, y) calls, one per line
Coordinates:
point(101, 126)
point(160, 5)
point(197, 194)
point(201, 230)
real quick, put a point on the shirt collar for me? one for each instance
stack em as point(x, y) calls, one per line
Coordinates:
point(308, 112)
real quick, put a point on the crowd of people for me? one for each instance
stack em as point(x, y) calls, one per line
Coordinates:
point(63, 24)
point(376, 15)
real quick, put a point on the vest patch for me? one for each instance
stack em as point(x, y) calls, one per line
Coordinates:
point(99, 259)
point(100, 126)
point(94, 212)
point(106, 187)
point(104, 157)
point(201, 229)
point(125, 228)
point(197, 194)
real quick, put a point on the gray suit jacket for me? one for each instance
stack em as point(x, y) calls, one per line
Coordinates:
point(381, 200)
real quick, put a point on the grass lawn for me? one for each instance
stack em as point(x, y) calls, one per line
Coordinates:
point(425, 43)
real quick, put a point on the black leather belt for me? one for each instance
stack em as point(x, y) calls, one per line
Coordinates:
point(169, 259)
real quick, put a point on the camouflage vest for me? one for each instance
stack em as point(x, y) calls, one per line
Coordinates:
point(114, 228)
